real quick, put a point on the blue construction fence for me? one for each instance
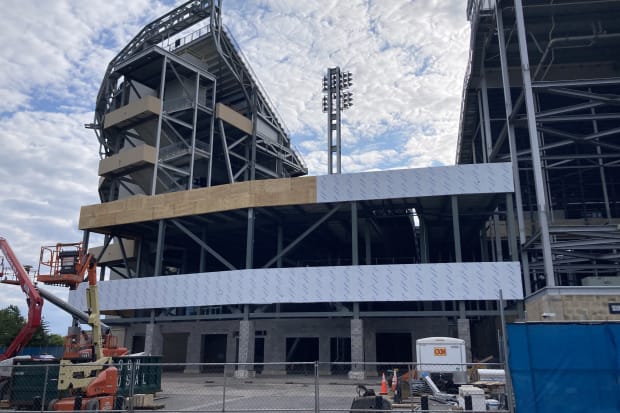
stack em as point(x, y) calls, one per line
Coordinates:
point(565, 367)
point(36, 351)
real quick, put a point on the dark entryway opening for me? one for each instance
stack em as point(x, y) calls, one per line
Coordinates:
point(137, 344)
point(393, 351)
point(299, 350)
point(175, 350)
point(259, 354)
point(214, 351)
point(340, 352)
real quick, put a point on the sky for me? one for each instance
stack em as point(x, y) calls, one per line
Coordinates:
point(408, 60)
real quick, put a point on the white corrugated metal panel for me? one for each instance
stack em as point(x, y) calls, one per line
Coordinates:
point(404, 282)
point(419, 182)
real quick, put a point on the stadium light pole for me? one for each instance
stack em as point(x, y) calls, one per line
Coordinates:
point(336, 99)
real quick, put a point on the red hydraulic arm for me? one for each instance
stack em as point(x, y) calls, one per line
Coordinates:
point(35, 302)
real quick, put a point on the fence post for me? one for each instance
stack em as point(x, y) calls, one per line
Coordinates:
point(132, 386)
point(47, 371)
point(424, 403)
point(224, 390)
point(316, 387)
point(509, 389)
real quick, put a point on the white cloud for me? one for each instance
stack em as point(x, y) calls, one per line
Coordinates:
point(52, 60)
point(408, 60)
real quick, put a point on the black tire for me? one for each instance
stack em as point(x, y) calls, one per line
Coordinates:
point(92, 406)
point(36, 403)
point(119, 403)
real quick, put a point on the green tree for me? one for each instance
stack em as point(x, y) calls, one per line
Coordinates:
point(41, 335)
point(55, 340)
point(11, 321)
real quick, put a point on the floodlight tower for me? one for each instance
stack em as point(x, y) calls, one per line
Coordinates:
point(336, 99)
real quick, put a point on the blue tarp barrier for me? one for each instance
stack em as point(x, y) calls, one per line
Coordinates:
point(55, 351)
point(565, 367)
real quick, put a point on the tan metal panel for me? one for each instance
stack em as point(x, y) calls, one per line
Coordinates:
point(133, 112)
point(233, 118)
point(262, 193)
point(132, 158)
point(113, 251)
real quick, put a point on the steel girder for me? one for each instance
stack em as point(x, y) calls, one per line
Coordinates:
point(558, 125)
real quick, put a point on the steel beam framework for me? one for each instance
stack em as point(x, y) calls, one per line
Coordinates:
point(193, 146)
point(558, 122)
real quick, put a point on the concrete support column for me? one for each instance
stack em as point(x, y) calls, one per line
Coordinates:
point(275, 351)
point(370, 349)
point(324, 347)
point(463, 328)
point(357, 350)
point(194, 344)
point(231, 353)
point(246, 349)
point(153, 340)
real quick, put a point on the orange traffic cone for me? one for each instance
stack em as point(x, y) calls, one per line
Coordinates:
point(384, 390)
point(394, 380)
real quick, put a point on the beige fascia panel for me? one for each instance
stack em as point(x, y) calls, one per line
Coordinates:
point(133, 112)
point(260, 193)
point(113, 252)
point(128, 159)
point(234, 118)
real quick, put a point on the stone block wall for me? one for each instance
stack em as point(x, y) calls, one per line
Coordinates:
point(571, 307)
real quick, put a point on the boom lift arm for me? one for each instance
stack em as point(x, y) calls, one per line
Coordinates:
point(34, 300)
point(88, 386)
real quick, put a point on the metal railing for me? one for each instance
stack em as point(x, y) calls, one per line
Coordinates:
point(268, 387)
point(474, 7)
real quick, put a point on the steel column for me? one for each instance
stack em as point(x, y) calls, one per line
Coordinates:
point(226, 154)
point(190, 184)
point(367, 242)
point(498, 239)
point(510, 127)
point(211, 134)
point(483, 92)
point(533, 133)
point(159, 253)
point(280, 242)
point(601, 169)
point(253, 143)
point(203, 252)
point(162, 87)
point(354, 235)
point(456, 230)
point(249, 244)
point(510, 226)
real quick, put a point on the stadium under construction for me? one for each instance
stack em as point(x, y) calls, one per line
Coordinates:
point(219, 248)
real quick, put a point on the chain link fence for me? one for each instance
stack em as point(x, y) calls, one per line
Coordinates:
point(140, 384)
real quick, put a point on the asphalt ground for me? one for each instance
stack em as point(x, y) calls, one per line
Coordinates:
point(204, 393)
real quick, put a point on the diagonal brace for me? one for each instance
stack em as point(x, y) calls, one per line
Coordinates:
point(302, 236)
point(203, 245)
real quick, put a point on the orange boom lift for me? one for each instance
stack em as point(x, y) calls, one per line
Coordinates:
point(12, 272)
point(90, 385)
